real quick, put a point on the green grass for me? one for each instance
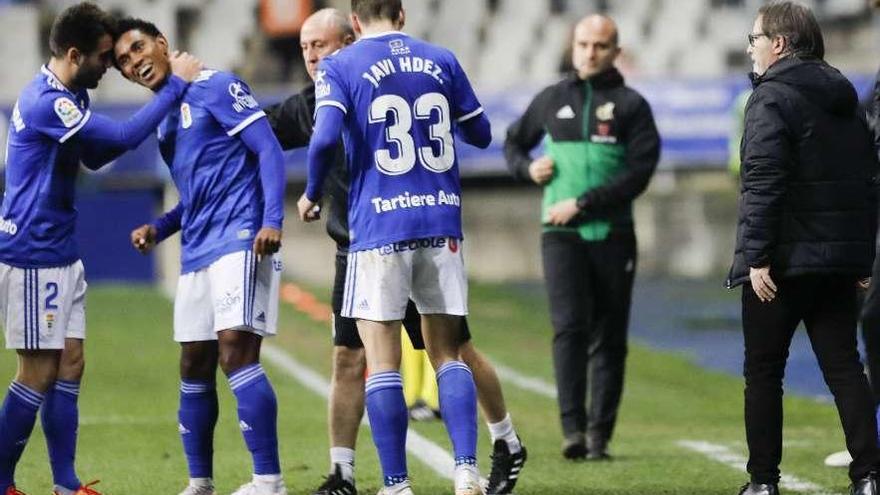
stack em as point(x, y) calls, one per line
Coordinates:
point(128, 436)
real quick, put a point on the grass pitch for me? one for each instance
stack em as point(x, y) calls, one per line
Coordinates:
point(128, 432)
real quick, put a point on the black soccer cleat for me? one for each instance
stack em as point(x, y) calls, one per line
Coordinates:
point(759, 489)
point(505, 468)
point(336, 484)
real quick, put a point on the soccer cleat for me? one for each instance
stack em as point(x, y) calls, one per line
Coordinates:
point(83, 490)
point(759, 489)
point(467, 481)
point(336, 484)
point(398, 489)
point(13, 491)
point(199, 490)
point(260, 488)
point(574, 447)
point(420, 411)
point(505, 468)
point(865, 486)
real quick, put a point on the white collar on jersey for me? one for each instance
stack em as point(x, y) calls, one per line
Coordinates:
point(54, 81)
point(379, 35)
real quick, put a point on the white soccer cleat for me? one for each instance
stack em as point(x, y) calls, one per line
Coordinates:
point(839, 459)
point(467, 481)
point(199, 490)
point(398, 489)
point(262, 488)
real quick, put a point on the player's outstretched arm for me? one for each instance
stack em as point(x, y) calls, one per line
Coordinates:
point(259, 139)
point(145, 237)
point(102, 131)
point(476, 131)
point(322, 149)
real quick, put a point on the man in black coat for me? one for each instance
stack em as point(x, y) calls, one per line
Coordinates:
point(807, 221)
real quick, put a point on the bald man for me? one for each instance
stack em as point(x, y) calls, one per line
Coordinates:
point(601, 150)
point(292, 121)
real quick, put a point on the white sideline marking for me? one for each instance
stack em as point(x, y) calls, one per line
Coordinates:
point(431, 454)
point(531, 384)
point(726, 456)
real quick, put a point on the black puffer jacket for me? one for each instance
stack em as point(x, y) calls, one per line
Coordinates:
point(808, 199)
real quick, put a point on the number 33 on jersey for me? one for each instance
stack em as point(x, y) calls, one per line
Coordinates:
point(402, 98)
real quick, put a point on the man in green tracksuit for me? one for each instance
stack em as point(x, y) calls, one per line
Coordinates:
point(601, 147)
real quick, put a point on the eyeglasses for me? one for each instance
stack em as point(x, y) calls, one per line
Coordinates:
point(754, 37)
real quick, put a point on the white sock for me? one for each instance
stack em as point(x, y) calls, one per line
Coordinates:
point(200, 482)
point(344, 457)
point(62, 491)
point(267, 478)
point(503, 430)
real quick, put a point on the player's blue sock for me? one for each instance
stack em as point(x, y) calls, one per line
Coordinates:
point(60, 419)
point(196, 418)
point(257, 416)
point(389, 419)
point(458, 407)
point(17, 418)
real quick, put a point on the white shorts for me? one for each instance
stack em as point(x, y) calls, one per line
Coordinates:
point(234, 293)
point(40, 307)
point(378, 282)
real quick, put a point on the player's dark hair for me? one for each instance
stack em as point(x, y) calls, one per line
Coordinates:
point(80, 26)
point(797, 24)
point(372, 10)
point(133, 24)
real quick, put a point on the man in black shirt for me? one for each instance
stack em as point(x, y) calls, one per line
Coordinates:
point(292, 120)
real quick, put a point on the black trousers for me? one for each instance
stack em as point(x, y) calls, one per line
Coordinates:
point(871, 330)
point(827, 304)
point(590, 288)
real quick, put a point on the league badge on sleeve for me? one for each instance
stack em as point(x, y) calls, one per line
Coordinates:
point(243, 98)
point(186, 120)
point(67, 111)
point(322, 87)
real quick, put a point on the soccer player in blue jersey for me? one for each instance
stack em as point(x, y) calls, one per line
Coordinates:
point(42, 287)
point(397, 101)
point(229, 170)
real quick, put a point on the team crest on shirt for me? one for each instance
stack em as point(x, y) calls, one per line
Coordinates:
point(17, 121)
point(186, 120)
point(67, 111)
point(322, 87)
point(243, 98)
point(606, 111)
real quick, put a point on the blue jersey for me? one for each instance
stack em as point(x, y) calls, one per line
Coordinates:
point(402, 98)
point(215, 173)
point(37, 216)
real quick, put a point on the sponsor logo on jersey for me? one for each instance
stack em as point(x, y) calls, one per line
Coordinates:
point(322, 87)
point(243, 99)
point(398, 47)
point(17, 121)
point(606, 111)
point(565, 113)
point(414, 244)
point(186, 120)
point(67, 111)
point(8, 226)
